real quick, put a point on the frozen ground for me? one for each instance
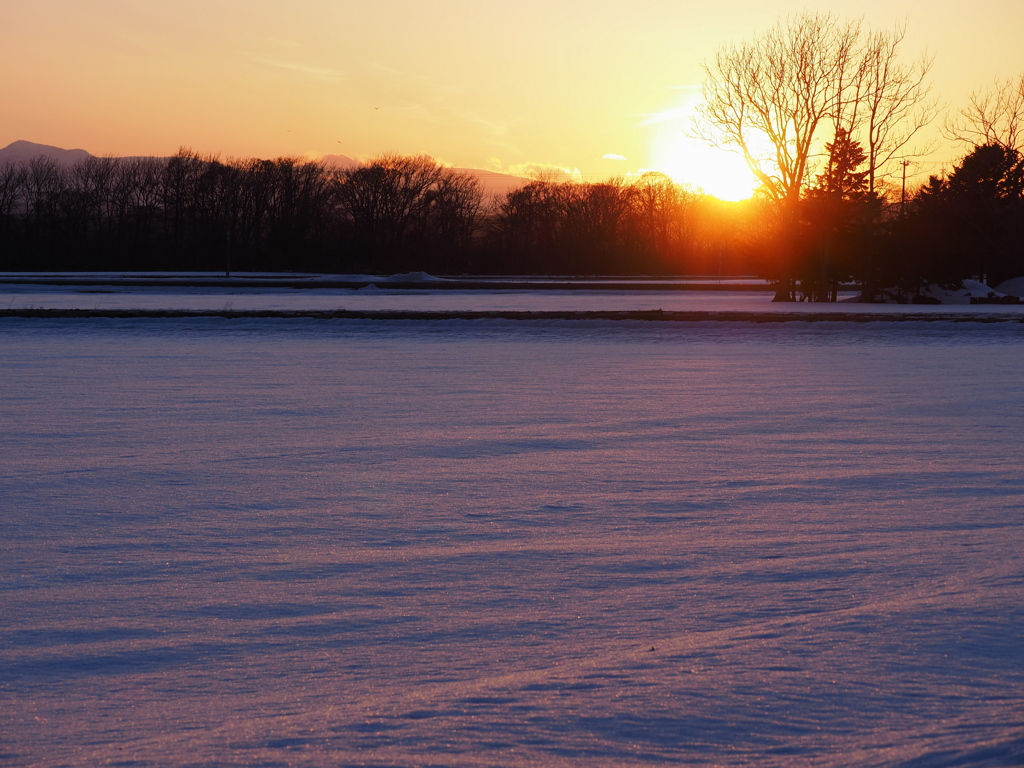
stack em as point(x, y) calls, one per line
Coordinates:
point(373, 298)
point(381, 299)
point(471, 543)
point(370, 298)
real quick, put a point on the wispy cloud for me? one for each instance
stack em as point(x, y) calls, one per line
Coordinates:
point(320, 73)
point(667, 115)
point(613, 156)
point(494, 128)
point(685, 105)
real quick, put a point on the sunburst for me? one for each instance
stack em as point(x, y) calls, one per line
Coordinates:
point(687, 160)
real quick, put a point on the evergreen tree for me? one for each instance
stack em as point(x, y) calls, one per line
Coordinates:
point(835, 210)
point(976, 216)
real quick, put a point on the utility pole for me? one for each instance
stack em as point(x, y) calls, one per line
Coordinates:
point(903, 189)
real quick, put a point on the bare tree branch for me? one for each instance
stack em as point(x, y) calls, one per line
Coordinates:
point(896, 102)
point(993, 116)
point(769, 98)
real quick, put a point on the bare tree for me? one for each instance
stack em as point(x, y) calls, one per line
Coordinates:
point(13, 181)
point(809, 75)
point(92, 180)
point(779, 98)
point(179, 191)
point(894, 102)
point(386, 198)
point(396, 207)
point(770, 98)
point(527, 224)
point(13, 193)
point(46, 182)
point(456, 207)
point(136, 197)
point(994, 116)
point(662, 215)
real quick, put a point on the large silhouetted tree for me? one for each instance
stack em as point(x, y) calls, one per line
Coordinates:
point(779, 98)
point(771, 98)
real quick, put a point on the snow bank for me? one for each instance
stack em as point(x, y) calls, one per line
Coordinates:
point(413, 277)
point(1012, 287)
point(969, 292)
point(968, 289)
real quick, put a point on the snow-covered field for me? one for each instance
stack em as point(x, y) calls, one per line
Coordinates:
point(373, 298)
point(496, 543)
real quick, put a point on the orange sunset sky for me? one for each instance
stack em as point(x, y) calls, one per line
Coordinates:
point(601, 88)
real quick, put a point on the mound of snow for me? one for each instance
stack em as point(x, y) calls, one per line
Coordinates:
point(969, 289)
point(969, 292)
point(413, 277)
point(936, 294)
point(1012, 287)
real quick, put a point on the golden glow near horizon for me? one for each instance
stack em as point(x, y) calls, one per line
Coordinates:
point(568, 87)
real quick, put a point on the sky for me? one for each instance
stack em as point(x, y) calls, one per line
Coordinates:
point(598, 87)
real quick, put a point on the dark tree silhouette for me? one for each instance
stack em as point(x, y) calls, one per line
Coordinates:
point(403, 212)
point(979, 211)
point(777, 97)
point(395, 213)
point(969, 223)
point(837, 211)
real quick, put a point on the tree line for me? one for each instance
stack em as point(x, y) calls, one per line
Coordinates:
point(823, 111)
point(391, 214)
point(397, 214)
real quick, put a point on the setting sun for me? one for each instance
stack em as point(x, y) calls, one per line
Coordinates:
point(716, 171)
point(689, 160)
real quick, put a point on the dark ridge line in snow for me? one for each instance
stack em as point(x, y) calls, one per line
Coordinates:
point(680, 316)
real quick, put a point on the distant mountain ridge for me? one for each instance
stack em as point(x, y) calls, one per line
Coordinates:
point(494, 184)
point(21, 151)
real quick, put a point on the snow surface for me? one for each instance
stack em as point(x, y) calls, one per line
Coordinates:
point(470, 543)
point(373, 297)
point(379, 297)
